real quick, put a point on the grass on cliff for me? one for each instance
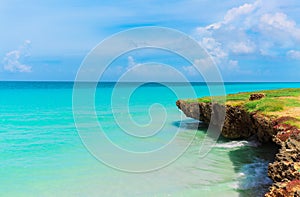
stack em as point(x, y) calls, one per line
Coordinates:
point(274, 100)
point(276, 103)
point(264, 105)
point(295, 122)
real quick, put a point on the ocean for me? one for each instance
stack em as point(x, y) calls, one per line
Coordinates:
point(42, 154)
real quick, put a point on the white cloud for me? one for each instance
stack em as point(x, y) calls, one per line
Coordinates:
point(294, 54)
point(258, 28)
point(214, 48)
point(237, 12)
point(231, 15)
point(13, 59)
point(131, 62)
point(243, 47)
point(224, 37)
point(278, 21)
point(279, 26)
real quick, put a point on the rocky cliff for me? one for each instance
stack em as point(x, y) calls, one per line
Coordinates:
point(242, 124)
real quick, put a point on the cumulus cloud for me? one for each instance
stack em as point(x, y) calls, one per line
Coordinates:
point(280, 29)
point(278, 20)
point(293, 54)
point(246, 47)
point(214, 48)
point(240, 12)
point(230, 16)
point(13, 60)
point(257, 28)
point(234, 13)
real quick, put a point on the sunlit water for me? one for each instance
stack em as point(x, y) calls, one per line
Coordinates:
point(41, 153)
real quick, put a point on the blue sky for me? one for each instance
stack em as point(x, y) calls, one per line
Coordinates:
point(256, 40)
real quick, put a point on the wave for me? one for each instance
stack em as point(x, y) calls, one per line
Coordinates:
point(254, 177)
point(236, 144)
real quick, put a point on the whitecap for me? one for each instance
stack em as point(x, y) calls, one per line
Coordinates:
point(236, 144)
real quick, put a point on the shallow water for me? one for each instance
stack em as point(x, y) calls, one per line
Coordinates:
point(41, 153)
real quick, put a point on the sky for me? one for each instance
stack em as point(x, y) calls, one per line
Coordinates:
point(249, 40)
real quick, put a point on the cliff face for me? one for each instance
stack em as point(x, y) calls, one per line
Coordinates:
point(241, 124)
point(238, 122)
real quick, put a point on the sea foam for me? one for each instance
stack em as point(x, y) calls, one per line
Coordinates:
point(253, 176)
point(236, 144)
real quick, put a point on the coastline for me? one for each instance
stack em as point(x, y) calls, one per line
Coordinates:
point(242, 123)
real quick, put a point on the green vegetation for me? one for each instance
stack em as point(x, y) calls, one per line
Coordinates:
point(238, 97)
point(274, 101)
point(292, 102)
point(288, 92)
point(294, 122)
point(264, 105)
point(283, 104)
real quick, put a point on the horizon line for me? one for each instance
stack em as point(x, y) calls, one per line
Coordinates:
point(72, 81)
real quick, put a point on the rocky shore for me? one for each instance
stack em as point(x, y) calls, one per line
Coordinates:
point(240, 123)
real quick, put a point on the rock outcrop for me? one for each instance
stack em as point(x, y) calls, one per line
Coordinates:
point(285, 170)
point(241, 124)
point(256, 96)
point(238, 124)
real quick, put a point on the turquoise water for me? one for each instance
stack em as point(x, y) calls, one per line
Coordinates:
point(41, 153)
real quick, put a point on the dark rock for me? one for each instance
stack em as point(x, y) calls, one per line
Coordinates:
point(256, 96)
point(238, 122)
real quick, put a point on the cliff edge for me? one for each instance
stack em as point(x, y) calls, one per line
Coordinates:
point(271, 115)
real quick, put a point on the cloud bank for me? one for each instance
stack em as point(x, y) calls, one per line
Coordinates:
point(259, 29)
